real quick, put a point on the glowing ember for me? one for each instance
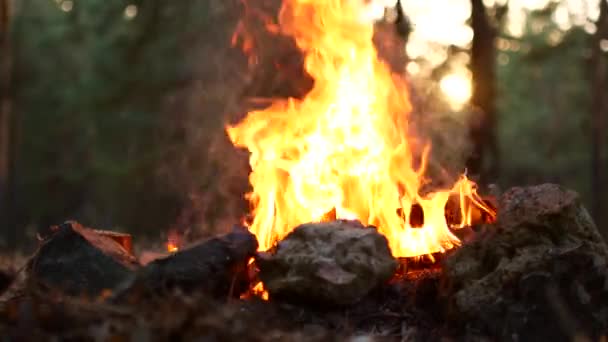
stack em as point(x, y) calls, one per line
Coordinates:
point(173, 241)
point(171, 247)
point(172, 244)
point(342, 151)
point(260, 291)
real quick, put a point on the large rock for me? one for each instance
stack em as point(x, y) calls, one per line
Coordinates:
point(332, 263)
point(539, 273)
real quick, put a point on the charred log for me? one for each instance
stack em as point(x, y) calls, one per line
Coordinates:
point(77, 260)
point(125, 240)
point(217, 266)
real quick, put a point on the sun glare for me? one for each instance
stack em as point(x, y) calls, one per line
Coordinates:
point(457, 89)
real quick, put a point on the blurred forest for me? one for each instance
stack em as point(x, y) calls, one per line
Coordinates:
point(112, 112)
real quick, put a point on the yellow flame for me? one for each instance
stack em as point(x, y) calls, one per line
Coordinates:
point(343, 149)
point(260, 291)
point(171, 247)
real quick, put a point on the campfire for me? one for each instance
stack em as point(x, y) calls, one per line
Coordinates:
point(344, 151)
point(341, 204)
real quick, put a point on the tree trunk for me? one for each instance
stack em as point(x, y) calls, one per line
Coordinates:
point(483, 100)
point(6, 123)
point(599, 110)
point(390, 38)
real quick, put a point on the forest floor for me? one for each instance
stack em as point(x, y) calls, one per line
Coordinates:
point(404, 309)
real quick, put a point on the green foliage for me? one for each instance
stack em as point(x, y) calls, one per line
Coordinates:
point(96, 141)
point(90, 85)
point(544, 103)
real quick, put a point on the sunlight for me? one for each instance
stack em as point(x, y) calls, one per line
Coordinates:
point(457, 89)
point(131, 11)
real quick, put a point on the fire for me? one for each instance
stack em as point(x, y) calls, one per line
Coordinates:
point(260, 291)
point(171, 247)
point(343, 151)
point(172, 243)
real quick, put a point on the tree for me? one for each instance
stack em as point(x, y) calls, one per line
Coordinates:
point(6, 121)
point(91, 82)
point(599, 111)
point(483, 100)
point(544, 100)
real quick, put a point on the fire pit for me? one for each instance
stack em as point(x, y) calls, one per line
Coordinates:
point(343, 152)
point(344, 237)
point(541, 259)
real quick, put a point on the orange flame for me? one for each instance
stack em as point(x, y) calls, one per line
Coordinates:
point(344, 148)
point(171, 247)
point(173, 242)
point(260, 291)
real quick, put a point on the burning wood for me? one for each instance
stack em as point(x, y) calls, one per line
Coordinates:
point(542, 259)
point(78, 260)
point(122, 239)
point(217, 266)
point(339, 156)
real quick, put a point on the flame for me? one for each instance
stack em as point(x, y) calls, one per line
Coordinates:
point(173, 241)
point(343, 150)
point(171, 247)
point(260, 291)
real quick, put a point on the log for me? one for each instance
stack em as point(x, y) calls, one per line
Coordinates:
point(217, 266)
point(77, 260)
point(125, 240)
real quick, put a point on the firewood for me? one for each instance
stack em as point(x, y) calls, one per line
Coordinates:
point(78, 260)
point(217, 266)
point(125, 240)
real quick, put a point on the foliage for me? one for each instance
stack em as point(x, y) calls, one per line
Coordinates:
point(120, 114)
point(544, 103)
point(90, 86)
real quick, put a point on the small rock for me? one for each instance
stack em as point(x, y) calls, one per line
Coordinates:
point(543, 261)
point(336, 263)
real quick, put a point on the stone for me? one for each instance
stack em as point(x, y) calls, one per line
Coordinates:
point(542, 261)
point(334, 263)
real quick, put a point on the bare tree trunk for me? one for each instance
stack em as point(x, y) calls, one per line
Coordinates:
point(599, 110)
point(483, 126)
point(390, 38)
point(6, 150)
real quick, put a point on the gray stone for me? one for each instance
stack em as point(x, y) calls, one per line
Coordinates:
point(543, 260)
point(333, 263)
